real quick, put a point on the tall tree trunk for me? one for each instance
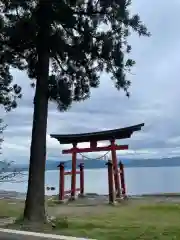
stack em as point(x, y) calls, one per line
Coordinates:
point(35, 200)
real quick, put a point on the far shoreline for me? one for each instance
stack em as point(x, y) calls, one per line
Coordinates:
point(102, 168)
point(4, 194)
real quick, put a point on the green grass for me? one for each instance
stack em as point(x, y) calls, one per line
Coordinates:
point(146, 221)
point(138, 222)
point(10, 208)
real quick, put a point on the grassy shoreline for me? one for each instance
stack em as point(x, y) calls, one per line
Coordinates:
point(161, 195)
point(143, 219)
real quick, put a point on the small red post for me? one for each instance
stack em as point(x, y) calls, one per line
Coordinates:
point(110, 182)
point(61, 181)
point(122, 178)
point(73, 177)
point(115, 168)
point(81, 166)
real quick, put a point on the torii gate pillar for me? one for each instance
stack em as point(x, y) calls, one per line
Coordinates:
point(73, 178)
point(115, 169)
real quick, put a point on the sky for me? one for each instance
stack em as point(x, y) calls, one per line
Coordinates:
point(155, 97)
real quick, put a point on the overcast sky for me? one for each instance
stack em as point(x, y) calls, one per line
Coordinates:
point(155, 96)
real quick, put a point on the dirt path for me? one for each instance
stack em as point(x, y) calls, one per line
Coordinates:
point(93, 205)
point(96, 206)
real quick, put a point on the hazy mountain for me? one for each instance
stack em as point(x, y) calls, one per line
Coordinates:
point(95, 164)
point(92, 164)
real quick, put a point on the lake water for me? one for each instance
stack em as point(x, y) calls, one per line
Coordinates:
point(138, 181)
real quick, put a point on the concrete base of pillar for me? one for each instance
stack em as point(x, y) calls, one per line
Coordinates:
point(71, 199)
point(113, 203)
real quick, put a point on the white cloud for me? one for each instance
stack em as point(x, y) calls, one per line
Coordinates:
point(174, 140)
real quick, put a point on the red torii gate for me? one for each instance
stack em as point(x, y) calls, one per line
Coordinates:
point(93, 138)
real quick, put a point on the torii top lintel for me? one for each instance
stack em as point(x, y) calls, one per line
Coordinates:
point(120, 133)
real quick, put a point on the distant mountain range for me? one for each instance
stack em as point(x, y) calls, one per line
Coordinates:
point(95, 164)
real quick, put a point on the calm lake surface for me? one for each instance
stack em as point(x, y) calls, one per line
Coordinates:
point(138, 181)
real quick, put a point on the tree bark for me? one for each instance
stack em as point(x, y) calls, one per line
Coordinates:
point(35, 200)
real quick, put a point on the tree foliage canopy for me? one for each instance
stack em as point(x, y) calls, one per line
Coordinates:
point(8, 92)
point(65, 45)
point(86, 38)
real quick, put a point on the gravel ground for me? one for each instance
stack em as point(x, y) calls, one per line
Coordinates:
point(94, 198)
